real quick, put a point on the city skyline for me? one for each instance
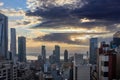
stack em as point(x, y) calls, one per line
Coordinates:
point(48, 29)
point(60, 40)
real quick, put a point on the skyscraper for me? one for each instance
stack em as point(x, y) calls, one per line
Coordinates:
point(3, 36)
point(93, 50)
point(65, 56)
point(13, 44)
point(57, 53)
point(22, 49)
point(43, 52)
point(116, 39)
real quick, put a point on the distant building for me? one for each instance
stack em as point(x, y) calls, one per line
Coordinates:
point(43, 52)
point(3, 36)
point(57, 54)
point(93, 50)
point(52, 59)
point(67, 72)
point(22, 49)
point(48, 77)
point(46, 67)
point(81, 71)
point(116, 39)
point(13, 44)
point(65, 56)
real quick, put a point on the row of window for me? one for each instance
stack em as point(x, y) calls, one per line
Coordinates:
point(105, 63)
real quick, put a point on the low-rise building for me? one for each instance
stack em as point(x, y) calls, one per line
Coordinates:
point(8, 71)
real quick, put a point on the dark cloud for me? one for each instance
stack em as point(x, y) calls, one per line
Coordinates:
point(66, 38)
point(100, 9)
point(57, 37)
point(97, 9)
point(51, 13)
point(105, 12)
point(61, 23)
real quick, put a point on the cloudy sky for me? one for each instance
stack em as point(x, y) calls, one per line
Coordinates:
point(68, 23)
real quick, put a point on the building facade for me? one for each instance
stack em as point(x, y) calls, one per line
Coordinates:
point(65, 56)
point(108, 63)
point(116, 39)
point(8, 71)
point(13, 44)
point(43, 52)
point(3, 36)
point(57, 54)
point(22, 49)
point(81, 71)
point(93, 50)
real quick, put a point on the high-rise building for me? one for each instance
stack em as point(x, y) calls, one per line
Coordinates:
point(3, 36)
point(93, 50)
point(57, 53)
point(116, 39)
point(52, 59)
point(65, 56)
point(22, 49)
point(108, 63)
point(13, 44)
point(43, 52)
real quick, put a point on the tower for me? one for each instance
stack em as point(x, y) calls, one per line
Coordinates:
point(57, 53)
point(93, 50)
point(13, 44)
point(22, 49)
point(65, 56)
point(43, 52)
point(3, 36)
point(116, 39)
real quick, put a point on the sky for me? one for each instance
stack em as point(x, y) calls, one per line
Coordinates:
point(67, 23)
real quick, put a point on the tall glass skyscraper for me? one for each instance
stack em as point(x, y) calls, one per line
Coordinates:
point(3, 36)
point(57, 53)
point(93, 50)
point(22, 49)
point(65, 56)
point(43, 52)
point(13, 44)
point(116, 39)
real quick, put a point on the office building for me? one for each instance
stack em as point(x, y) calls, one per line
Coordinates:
point(65, 56)
point(22, 49)
point(3, 36)
point(57, 53)
point(46, 67)
point(52, 59)
point(43, 52)
point(13, 44)
point(93, 50)
point(116, 39)
point(108, 63)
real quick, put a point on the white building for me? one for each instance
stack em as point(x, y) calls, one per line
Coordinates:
point(81, 71)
